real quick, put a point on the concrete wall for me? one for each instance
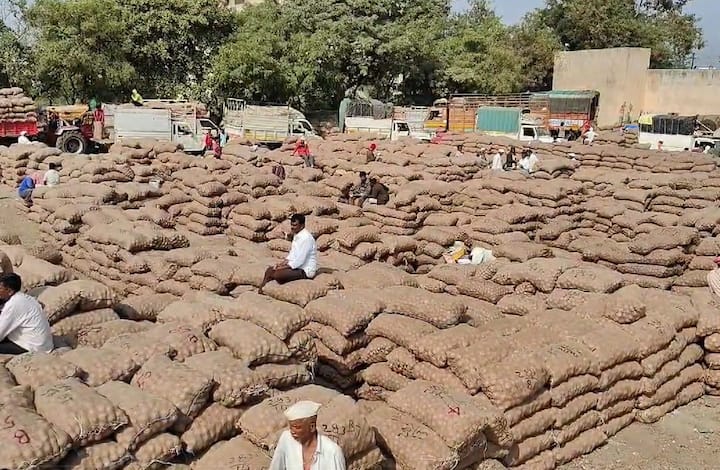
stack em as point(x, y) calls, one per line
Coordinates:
point(618, 74)
point(686, 92)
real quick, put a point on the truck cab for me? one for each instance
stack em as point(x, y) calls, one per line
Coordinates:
point(158, 124)
point(533, 132)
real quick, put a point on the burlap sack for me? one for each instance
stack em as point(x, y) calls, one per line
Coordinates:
point(510, 382)
point(399, 329)
point(182, 386)
point(655, 414)
point(589, 420)
point(262, 423)
point(194, 314)
point(528, 449)
point(377, 350)
point(439, 310)
point(410, 443)
point(138, 347)
point(590, 278)
point(28, 440)
point(540, 272)
point(213, 424)
point(383, 376)
point(347, 311)
point(664, 238)
point(539, 402)
point(152, 454)
point(575, 408)
point(85, 415)
point(107, 455)
point(148, 415)
point(566, 359)
point(36, 272)
point(581, 445)
point(626, 370)
point(184, 340)
point(299, 292)
point(457, 419)
point(370, 460)
point(283, 376)
point(571, 388)
point(226, 454)
point(488, 291)
point(249, 342)
point(96, 335)
point(342, 421)
point(6, 379)
point(534, 425)
point(144, 307)
point(375, 275)
point(712, 343)
point(652, 363)
point(402, 361)
point(336, 342)
point(670, 389)
point(38, 369)
point(623, 390)
point(521, 304)
point(58, 302)
point(70, 326)
point(372, 393)
point(99, 366)
point(615, 425)
point(433, 348)
point(236, 383)
point(626, 305)
point(21, 396)
point(282, 319)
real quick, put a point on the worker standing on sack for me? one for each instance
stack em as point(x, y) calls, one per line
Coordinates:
point(98, 122)
point(301, 447)
point(135, 98)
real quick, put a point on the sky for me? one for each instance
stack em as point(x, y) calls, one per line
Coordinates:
point(513, 10)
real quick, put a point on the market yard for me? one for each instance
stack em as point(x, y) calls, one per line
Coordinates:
point(592, 331)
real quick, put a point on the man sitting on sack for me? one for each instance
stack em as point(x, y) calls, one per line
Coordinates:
point(301, 447)
point(301, 262)
point(23, 324)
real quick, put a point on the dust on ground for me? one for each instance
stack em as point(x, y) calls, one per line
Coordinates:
point(686, 439)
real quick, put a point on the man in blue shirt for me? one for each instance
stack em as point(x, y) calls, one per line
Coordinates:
point(25, 190)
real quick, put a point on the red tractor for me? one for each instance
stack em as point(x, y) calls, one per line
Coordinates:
point(71, 132)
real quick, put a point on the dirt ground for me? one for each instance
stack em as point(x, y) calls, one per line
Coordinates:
point(687, 439)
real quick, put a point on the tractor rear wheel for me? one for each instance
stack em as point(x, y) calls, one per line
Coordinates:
point(72, 142)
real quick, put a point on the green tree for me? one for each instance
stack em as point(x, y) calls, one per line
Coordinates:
point(658, 24)
point(80, 49)
point(173, 43)
point(14, 60)
point(536, 45)
point(477, 55)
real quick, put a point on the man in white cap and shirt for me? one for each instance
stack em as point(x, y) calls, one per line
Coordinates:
point(301, 447)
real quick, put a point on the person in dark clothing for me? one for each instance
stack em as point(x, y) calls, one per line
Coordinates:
point(511, 160)
point(379, 193)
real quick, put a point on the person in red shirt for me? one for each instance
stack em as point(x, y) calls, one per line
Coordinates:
point(216, 148)
point(302, 150)
point(208, 141)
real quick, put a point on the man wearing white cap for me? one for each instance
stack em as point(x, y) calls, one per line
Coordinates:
point(301, 447)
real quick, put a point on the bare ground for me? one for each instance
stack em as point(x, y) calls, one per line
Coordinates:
point(686, 439)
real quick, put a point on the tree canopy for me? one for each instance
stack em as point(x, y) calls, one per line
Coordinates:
point(311, 53)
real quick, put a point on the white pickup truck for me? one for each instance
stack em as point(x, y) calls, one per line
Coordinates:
point(386, 128)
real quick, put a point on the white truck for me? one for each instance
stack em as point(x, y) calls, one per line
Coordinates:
point(158, 124)
point(265, 124)
point(386, 128)
point(509, 122)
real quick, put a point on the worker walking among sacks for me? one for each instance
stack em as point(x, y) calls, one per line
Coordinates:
point(301, 262)
point(23, 324)
point(301, 447)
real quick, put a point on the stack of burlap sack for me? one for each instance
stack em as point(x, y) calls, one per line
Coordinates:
point(15, 106)
point(20, 160)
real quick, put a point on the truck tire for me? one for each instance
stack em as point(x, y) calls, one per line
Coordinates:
point(72, 142)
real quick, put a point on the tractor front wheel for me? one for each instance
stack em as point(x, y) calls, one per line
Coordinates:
point(72, 142)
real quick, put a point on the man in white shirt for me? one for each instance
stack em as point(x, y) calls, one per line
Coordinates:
point(23, 139)
point(529, 161)
point(23, 324)
point(301, 447)
point(301, 262)
point(497, 163)
point(52, 176)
